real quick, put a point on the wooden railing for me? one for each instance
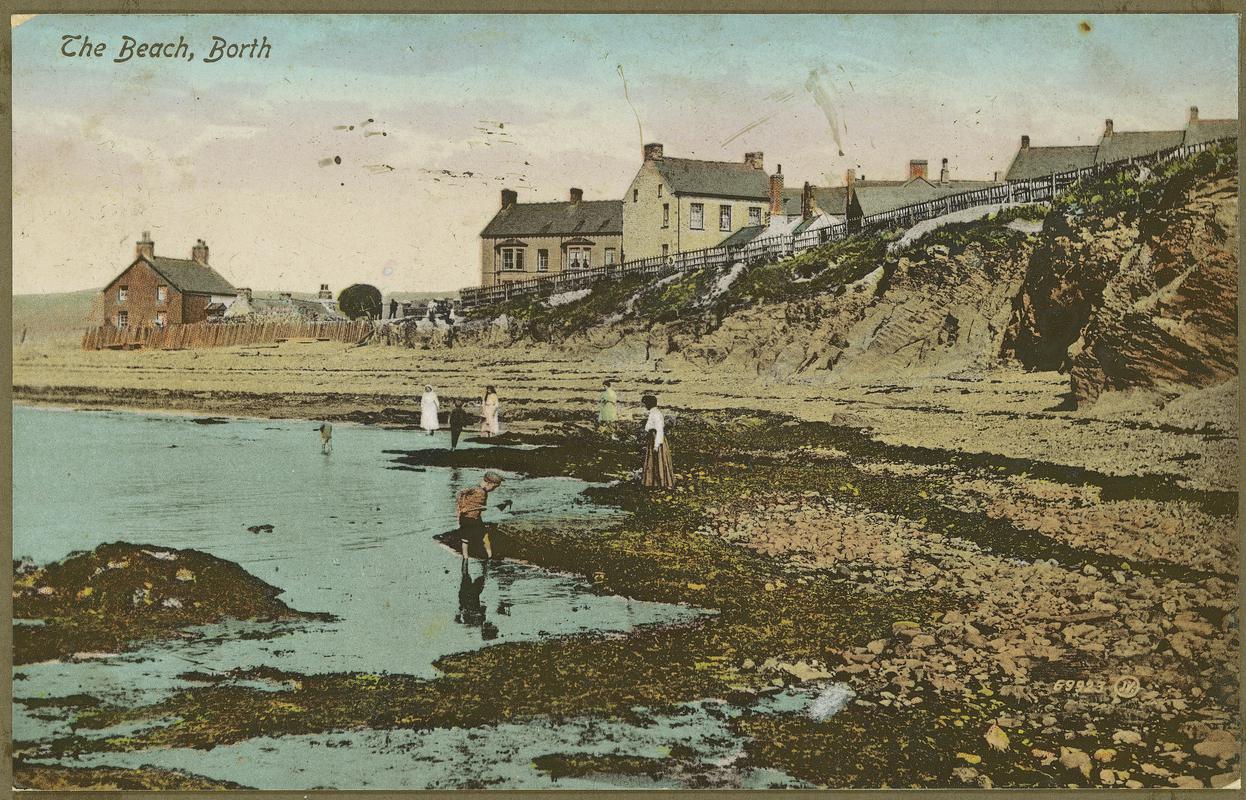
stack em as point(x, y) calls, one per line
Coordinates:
point(219, 334)
point(783, 245)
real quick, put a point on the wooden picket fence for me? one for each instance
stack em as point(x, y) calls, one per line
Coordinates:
point(219, 334)
point(1038, 190)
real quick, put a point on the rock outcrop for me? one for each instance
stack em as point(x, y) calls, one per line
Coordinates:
point(1168, 317)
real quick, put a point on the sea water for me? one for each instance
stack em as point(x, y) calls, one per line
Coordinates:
point(351, 536)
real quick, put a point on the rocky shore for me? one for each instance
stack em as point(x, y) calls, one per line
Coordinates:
point(1099, 651)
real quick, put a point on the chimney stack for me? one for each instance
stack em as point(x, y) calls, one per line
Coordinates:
point(199, 253)
point(776, 193)
point(944, 177)
point(754, 160)
point(1025, 142)
point(145, 247)
point(917, 168)
point(806, 202)
point(1107, 127)
point(509, 198)
point(1193, 115)
point(577, 195)
point(652, 152)
point(325, 294)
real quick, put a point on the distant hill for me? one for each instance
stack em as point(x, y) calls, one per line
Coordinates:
point(51, 317)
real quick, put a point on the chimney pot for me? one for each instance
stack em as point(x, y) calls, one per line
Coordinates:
point(1107, 127)
point(577, 195)
point(652, 152)
point(1193, 114)
point(145, 248)
point(509, 198)
point(806, 202)
point(1025, 142)
point(754, 160)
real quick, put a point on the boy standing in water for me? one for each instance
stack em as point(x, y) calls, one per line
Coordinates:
point(326, 438)
point(471, 504)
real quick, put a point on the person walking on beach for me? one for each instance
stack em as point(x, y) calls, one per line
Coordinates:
point(489, 413)
point(326, 438)
point(608, 404)
point(458, 420)
point(430, 407)
point(656, 470)
point(471, 504)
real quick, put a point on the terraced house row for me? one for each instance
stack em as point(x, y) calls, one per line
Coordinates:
point(675, 205)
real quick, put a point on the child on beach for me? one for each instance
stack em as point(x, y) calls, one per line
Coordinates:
point(471, 504)
point(458, 421)
point(326, 438)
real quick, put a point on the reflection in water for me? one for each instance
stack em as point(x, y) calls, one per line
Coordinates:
point(471, 609)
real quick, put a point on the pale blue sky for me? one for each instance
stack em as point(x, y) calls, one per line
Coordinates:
point(231, 152)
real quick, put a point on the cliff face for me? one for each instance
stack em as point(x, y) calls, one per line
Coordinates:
point(1126, 281)
point(1168, 316)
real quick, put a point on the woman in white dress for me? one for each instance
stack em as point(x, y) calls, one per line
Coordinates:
point(430, 407)
point(489, 413)
point(656, 471)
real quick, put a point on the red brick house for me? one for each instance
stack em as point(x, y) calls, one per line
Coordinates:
point(160, 291)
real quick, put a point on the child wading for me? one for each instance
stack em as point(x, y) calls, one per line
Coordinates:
point(656, 471)
point(326, 438)
point(471, 504)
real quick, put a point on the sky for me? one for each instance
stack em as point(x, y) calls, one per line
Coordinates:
point(259, 157)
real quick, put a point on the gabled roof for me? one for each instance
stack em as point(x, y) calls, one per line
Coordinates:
point(831, 200)
point(714, 178)
point(1039, 162)
point(743, 236)
point(190, 277)
point(1133, 144)
point(585, 218)
point(875, 197)
point(1207, 130)
point(183, 274)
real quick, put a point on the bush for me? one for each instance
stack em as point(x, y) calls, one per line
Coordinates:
point(360, 301)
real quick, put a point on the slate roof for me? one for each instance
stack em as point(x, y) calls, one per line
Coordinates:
point(714, 178)
point(830, 199)
point(743, 236)
point(185, 275)
point(1206, 130)
point(585, 218)
point(1038, 162)
point(875, 197)
point(1132, 144)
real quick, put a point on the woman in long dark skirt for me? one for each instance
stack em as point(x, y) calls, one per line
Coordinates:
point(656, 472)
